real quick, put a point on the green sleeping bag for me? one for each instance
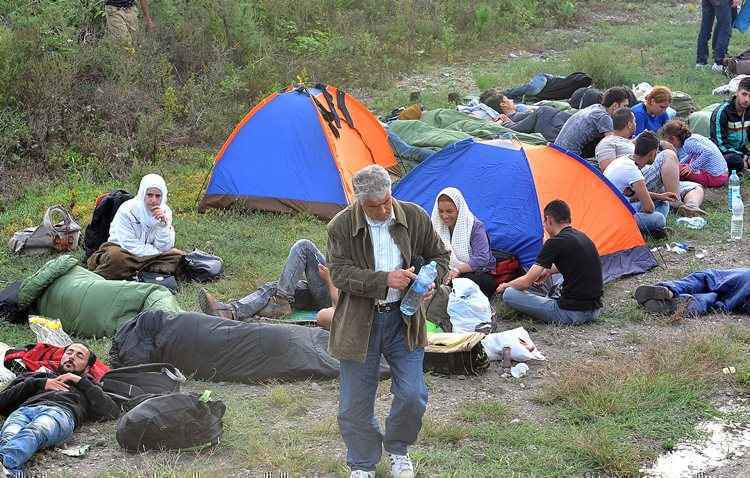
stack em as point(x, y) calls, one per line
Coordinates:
point(87, 304)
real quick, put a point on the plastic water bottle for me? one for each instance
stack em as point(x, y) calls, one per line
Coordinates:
point(418, 289)
point(738, 216)
point(734, 188)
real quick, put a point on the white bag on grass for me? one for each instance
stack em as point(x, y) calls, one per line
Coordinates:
point(467, 306)
point(522, 349)
point(5, 374)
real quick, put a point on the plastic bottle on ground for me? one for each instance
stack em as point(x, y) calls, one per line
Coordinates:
point(733, 190)
point(418, 289)
point(738, 216)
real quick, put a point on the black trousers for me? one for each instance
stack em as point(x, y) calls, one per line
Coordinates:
point(484, 280)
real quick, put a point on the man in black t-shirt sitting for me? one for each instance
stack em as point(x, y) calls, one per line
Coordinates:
point(570, 253)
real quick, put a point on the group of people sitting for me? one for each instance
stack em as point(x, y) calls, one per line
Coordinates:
point(654, 160)
point(563, 286)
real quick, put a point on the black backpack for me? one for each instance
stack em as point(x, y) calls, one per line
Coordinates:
point(97, 232)
point(170, 422)
point(125, 385)
point(562, 87)
point(10, 310)
point(585, 97)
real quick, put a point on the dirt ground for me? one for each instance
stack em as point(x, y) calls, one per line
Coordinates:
point(563, 346)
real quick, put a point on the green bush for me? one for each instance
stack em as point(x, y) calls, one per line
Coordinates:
point(605, 66)
point(64, 87)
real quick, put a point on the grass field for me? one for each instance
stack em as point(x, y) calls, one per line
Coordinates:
point(612, 396)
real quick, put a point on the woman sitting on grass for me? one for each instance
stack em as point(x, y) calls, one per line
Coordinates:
point(465, 236)
point(701, 160)
point(652, 113)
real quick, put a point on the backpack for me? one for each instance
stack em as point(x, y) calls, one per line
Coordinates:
point(507, 267)
point(584, 97)
point(126, 384)
point(683, 104)
point(738, 65)
point(201, 266)
point(97, 232)
point(173, 421)
point(47, 237)
point(10, 310)
point(562, 87)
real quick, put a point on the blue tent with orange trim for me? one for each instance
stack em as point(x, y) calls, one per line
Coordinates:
point(297, 150)
point(507, 185)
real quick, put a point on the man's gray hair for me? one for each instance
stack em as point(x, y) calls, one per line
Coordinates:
point(372, 182)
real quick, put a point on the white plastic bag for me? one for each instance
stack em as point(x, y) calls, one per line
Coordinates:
point(49, 331)
point(467, 306)
point(5, 374)
point(522, 349)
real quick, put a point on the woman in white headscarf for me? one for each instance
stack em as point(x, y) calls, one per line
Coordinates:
point(141, 236)
point(465, 236)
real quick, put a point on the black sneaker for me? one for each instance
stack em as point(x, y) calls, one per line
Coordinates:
point(648, 292)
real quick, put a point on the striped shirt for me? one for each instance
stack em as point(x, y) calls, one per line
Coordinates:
point(386, 252)
point(702, 155)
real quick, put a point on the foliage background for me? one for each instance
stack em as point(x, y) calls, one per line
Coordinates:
point(71, 100)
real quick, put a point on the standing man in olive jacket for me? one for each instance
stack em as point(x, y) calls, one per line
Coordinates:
point(44, 408)
point(371, 245)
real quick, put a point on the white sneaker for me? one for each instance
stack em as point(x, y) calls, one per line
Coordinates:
point(716, 68)
point(700, 66)
point(362, 474)
point(401, 466)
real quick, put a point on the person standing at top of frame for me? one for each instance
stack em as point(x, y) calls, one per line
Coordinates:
point(122, 20)
point(723, 11)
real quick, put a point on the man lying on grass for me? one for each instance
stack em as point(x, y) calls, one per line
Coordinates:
point(699, 293)
point(44, 408)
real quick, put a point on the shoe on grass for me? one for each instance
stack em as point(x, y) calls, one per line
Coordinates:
point(362, 474)
point(276, 308)
point(690, 211)
point(701, 66)
point(716, 68)
point(210, 306)
point(644, 293)
point(401, 466)
point(661, 233)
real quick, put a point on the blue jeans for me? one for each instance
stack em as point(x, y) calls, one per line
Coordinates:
point(402, 149)
point(359, 384)
point(546, 309)
point(724, 290)
point(532, 88)
point(31, 428)
point(723, 13)
point(651, 221)
point(303, 261)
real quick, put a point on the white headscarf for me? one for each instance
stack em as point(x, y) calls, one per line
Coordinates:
point(151, 181)
point(459, 243)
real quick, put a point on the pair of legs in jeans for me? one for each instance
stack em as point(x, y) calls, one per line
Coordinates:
point(29, 429)
point(546, 308)
point(300, 275)
point(724, 15)
point(726, 290)
point(651, 222)
point(359, 383)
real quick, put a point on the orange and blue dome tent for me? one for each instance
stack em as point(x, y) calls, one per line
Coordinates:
point(507, 185)
point(297, 150)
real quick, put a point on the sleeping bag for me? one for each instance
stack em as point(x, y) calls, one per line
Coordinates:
point(216, 349)
point(87, 304)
